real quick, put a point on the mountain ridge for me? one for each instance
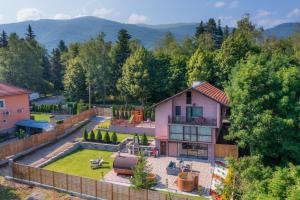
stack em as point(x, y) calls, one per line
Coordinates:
point(50, 31)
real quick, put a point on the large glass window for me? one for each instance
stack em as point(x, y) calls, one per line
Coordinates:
point(193, 150)
point(176, 132)
point(178, 110)
point(190, 133)
point(197, 111)
point(204, 134)
point(2, 104)
point(188, 97)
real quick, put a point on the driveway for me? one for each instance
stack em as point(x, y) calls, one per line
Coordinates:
point(49, 100)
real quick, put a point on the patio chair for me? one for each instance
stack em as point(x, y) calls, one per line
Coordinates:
point(172, 169)
point(96, 163)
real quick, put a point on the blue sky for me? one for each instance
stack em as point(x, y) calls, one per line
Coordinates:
point(265, 13)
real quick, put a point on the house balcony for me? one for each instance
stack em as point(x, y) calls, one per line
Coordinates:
point(202, 121)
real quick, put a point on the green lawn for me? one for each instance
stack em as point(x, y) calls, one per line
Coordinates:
point(78, 163)
point(105, 124)
point(42, 116)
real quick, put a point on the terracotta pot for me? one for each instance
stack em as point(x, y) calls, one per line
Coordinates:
point(151, 177)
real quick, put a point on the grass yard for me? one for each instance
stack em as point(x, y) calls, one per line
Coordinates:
point(78, 163)
point(105, 124)
point(41, 116)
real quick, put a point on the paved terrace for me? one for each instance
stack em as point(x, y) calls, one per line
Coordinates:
point(159, 165)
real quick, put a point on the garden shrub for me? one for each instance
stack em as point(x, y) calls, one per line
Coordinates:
point(98, 136)
point(117, 114)
point(60, 122)
point(92, 136)
point(20, 134)
point(85, 135)
point(114, 138)
point(106, 137)
point(81, 106)
point(144, 139)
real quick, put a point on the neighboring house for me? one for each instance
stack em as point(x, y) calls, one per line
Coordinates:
point(188, 123)
point(14, 106)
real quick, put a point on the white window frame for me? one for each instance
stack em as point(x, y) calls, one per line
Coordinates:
point(3, 100)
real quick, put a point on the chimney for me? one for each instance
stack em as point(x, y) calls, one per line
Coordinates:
point(196, 84)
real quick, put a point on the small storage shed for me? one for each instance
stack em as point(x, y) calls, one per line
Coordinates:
point(124, 165)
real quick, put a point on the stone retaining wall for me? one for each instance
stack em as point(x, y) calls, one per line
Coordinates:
point(104, 146)
point(137, 130)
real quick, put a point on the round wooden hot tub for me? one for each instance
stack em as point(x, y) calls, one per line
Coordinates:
point(124, 165)
point(187, 181)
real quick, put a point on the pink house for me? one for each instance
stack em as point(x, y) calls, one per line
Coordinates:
point(14, 106)
point(188, 123)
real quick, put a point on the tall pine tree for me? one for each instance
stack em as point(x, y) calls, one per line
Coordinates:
point(62, 46)
point(56, 69)
point(121, 53)
point(200, 30)
point(3, 39)
point(30, 33)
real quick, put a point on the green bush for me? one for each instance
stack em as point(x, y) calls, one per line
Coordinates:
point(85, 135)
point(117, 114)
point(92, 136)
point(81, 106)
point(114, 138)
point(126, 115)
point(144, 139)
point(98, 136)
point(60, 122)
point(106, 137)
point(20, 134)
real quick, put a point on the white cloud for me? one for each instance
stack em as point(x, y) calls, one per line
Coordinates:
point(29, 14)
point(263, 13)
point(267, 23)
point(225, 18)
point(233, 4)
point(219, 4)
point(62, 16)
point(105, 12)
point(137, 19)
point(294, 13)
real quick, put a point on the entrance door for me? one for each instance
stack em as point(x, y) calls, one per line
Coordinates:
point(163, 148)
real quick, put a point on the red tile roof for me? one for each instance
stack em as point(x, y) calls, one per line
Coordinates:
point(213, 92)
point(9, 90)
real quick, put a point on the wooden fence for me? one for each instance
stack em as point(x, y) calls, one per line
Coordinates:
point(226, 150)
point(38, 139)
point(84, 186)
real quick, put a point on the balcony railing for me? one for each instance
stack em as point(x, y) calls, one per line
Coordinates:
point(192, 121)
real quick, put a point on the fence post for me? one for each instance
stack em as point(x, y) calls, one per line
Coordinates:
point(67, 182)
point(129, 193)
point(80, 185)
point(96, 194)
point(10, 167)
point(53, 181)
point(28, 169)
point(112, 191)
